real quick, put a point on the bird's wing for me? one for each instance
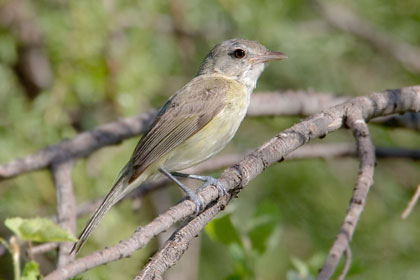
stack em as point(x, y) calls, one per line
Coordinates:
point(186, 112)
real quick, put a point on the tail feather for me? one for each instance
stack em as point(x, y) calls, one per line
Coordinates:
point(116, 193)
point(120, 188)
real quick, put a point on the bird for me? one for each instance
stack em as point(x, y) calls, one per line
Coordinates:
point(194, 124)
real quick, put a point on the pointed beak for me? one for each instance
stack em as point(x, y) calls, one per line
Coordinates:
point(269, 56)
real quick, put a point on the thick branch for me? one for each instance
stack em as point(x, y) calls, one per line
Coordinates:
point(178, 243)
point(237, 177)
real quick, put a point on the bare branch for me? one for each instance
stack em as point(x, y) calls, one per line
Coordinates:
point(411, 204)
point(409, 120)
point(66, 206)
point(366, 152)
point(178, 243)
point(43, 248)
point(291, 102)
point(347, 264)
point(80, 146)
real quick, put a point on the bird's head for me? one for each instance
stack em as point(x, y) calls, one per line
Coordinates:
point(239, 59)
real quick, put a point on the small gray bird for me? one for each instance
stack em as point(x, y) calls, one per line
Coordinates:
point(194, 124)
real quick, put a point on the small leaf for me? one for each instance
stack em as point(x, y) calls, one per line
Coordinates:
point(30, 271)
point(39, 230)
point(223, 231)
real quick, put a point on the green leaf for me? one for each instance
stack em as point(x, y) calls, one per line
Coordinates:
point(39, 230)
point(223, 231)
point(30, 271)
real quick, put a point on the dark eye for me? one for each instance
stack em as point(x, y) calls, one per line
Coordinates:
point(239, 53)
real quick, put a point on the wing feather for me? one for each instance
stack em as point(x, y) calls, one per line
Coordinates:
point(186, 112)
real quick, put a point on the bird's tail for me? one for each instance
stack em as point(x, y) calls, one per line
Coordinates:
point(120, 188)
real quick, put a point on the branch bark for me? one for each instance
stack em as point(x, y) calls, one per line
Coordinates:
point(366, 152)
point(66, 206)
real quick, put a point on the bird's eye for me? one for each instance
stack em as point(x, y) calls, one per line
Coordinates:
point(239, 53)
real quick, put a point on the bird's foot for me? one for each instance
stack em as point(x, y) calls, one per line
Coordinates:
point(208, 180)
point(199, 205)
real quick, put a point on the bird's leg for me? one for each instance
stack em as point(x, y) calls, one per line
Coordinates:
point(194, 198)
point(208, 180)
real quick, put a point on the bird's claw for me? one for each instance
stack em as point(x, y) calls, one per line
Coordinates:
point(199, 205)
point(212, 181)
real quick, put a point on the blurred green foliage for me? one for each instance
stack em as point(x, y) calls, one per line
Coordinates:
point(118, 58)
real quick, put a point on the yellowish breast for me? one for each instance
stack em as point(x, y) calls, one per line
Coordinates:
point(215, 135)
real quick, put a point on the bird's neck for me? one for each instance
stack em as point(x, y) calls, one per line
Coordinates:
point(248, 78)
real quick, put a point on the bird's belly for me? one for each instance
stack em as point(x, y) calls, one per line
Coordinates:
point(210, 139)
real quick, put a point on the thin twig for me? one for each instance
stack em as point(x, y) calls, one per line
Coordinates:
point(411, 204)
point(366, 152)
point(43, 248)
point(346, 268)
point(66, 206)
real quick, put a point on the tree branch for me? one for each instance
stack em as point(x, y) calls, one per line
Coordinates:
point(237, 177)
point(366, 152)
point(66, 206)
point(80, 146)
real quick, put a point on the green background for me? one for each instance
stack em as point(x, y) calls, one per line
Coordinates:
point(114, 58)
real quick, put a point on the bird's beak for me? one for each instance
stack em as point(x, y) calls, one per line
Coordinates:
point(269, 56)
